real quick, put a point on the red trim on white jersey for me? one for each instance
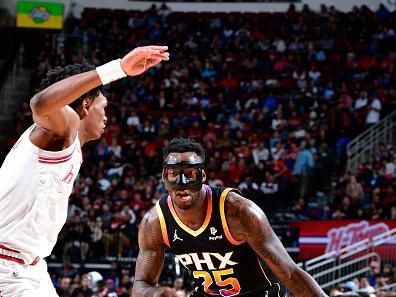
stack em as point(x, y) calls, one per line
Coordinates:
point(35, 261)
point(56, 160)
point(9, 258)
point(15, 259)
point(8, 249)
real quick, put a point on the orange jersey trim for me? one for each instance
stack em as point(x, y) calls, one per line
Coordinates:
point(162, 224)
point(194, 233)
point(224, 220)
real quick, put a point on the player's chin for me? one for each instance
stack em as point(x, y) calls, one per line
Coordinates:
point(183, 205)
point(100, 132)
point(97, 134)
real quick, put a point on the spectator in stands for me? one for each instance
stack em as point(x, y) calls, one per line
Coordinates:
point(365, 287)
point(354, 190)
point(270, 193)
point(105, 289)
point(96, 244)
point(125, 286)
point(64, 287)
point(374, 110)
point(374, 272)
point(300, 210)
point(83, 290)
point(303, 168)
point(392, 213)
point(67, 270)
point(346, 210)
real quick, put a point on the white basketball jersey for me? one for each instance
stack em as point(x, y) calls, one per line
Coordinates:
point(35, 186)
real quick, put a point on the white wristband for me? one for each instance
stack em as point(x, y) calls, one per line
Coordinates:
point(110, 71)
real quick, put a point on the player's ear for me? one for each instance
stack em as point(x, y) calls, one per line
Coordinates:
point(162, 175)
point(203, 176)
point(85, 104)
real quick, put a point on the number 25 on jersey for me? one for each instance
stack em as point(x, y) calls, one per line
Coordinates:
point(229, 285)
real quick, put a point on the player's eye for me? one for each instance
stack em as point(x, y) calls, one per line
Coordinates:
point(191, 173)
point(172, 173)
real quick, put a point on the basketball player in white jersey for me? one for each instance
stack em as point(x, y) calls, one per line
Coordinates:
point(37, 175)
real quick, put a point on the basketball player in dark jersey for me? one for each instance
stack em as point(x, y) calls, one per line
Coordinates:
point(217, 234)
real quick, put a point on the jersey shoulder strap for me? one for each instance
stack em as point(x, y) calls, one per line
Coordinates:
point(159, 206)
point(223, 194)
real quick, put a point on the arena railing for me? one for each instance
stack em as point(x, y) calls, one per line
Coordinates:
point(387, 288)
point(367, 143)
point(352, 261)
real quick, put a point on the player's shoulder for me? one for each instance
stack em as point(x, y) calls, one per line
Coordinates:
point(150, 218)
point(235, 204)
point(243, 216)
point(150, 229)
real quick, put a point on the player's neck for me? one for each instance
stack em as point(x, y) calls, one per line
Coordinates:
point(82, 136)
point(194, 216)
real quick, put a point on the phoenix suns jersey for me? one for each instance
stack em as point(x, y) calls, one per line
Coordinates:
point(219, 264)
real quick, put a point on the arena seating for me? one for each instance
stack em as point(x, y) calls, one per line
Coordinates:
point(264, 93)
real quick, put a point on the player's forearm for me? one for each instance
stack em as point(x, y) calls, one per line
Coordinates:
point(143, 289)
point(301, 284)
point(64, 92)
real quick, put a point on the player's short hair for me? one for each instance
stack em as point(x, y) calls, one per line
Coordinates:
point(183, 145)
point(58, 73)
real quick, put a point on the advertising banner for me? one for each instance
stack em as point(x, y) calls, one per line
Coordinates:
point(319, 237)
point(35, 14)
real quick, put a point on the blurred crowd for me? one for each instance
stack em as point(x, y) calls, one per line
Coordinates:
point(115, 282)
point(374, 284)
point(273, 97)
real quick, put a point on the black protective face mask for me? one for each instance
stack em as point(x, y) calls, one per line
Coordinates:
point(179, 175)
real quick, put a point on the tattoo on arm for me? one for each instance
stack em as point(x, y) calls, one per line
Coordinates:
point(150, 260)
point(248, 222)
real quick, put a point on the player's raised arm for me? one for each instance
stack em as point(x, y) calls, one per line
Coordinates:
point(248, 222)
point(49, 106)
point(150, 260)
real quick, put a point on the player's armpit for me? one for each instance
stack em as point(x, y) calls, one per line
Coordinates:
point(60, 122)
point(248, 222)
point(150, 260)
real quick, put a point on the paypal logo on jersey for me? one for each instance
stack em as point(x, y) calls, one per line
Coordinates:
point(213, 232)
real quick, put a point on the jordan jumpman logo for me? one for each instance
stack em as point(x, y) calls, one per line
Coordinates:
point(175, 237)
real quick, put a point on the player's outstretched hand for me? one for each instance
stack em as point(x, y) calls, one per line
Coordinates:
point(166, 292)
point(142, 58)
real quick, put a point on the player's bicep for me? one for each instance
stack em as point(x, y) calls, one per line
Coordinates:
point(150, 260)
point(149, 265)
